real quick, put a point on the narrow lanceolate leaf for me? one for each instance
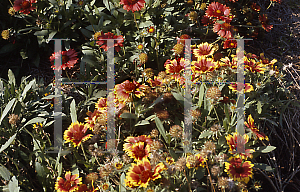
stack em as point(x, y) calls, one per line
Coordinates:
point(161, 128)
point(122, 186)
point(4, 172)
point(265, 149)
point(201, 95)
point(13, 185)
point(26, 89)
point(7, 143)
point(264, 167)
point(7, 108)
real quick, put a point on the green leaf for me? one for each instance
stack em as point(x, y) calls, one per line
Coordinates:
point(13, 185)
point(259, 107)
point(51, 35)
point(73, 111)
point(205, 133)
point(143, 122)
point(11, 77)
point(122, 178)
point(34, 120)
point(265, 149)
point(8, 48)
point(4, 172)
point(201, 95)
point(8, 142)
point(178, 97)
point(264, 167)
point(40, 170)
point(106, 3)
point(26, 89)
point(7, 108)
point(161, 128)
point(128, 116)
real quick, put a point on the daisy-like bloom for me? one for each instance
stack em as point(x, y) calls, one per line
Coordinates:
point(68, 59)
point(170, 160)
point(126, 88)
point(101, 104)
point(195, 161)
point(203, 65)
point(5, 34)
point(132, 140)
point(204, 49)
point(254, 129)
point(217, 10)
point(232, 141)
point(132, 5)
point(237, 87)
point(151, 29)
point(70, 184)
point(102, 41)
point(229, 44)
point(92, 118)
point(140, 174)
point(226, 62)
point(255, 7)
point(254, 66)
point(224, 30)
point(140, 46)
point(24, 6)
point(238, 169)
point(265, 22)
point(76, 134)
point(174, 67)
point(156, 82)
point(139, 151)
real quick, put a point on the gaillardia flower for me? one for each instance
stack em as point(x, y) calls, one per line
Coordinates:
point(204, 49)
point(126, 88)
point(130, 141)
point(224, 30)
point(234, 140)
point(203, 65)
point(254, 129)
point(103, 38)
point(239, 170)
point(217, 10)
point(237, 87)
point(265, 22)
point(24, 6)
point(76, 134)
point(139, 151)
point(68, 59)
point(132, 5)
point(229, 44)
point(140, 174)
point(101, 104)
point(70, 184)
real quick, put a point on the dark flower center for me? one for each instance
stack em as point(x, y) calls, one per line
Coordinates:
point(132, 2)
point(239, 169)
point(69, 184)
point(145, 175)
point(25, 4)
point(129, 87)
point(64, 59)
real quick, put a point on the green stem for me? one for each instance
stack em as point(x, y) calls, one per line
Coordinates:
point(81, 145)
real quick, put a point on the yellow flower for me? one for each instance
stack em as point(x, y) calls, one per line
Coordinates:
point(70, 184)
point(238, 169)
point(76, 134)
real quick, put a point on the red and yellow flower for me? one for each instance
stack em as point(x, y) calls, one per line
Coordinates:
point(76, 133)
point(197, 161)
point(265, 22)
point(236, 139)
point(140, 174)
point(139, 151)
point(24, 6)
point(102, 40)
point(69, 184)
point(254, 129)
point(217, 10)
point(151, 29)
point(101, 104)
point(224, 30)
point(254, 66)
point(203, 65)
point(174, 67)
point(127, 89)
point(238, 169)
point(204, 49)
point(68, 59)
point(238, 87)
point(132, 5)
point(229, 44)
point(130, 141)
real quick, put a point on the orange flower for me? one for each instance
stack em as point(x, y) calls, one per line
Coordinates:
point(254, 129)
point(226, 62)
point(204, 49)
point(68, 59)
point(151, 29)
point(232, 141)
point(237, 87)
point(239, 170)
point(254, 66)
point(156, 82)
point(138, 151)
point(101, 104)
point(140, 174)
point(126, 88)
point(76, 134)
point(24, 6)
point(133, 140)
point(265, 22)
point(70, 184)
point(203, 65)
point(228, 44)
point(132, 5)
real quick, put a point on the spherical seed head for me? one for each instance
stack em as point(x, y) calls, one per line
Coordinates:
point(5, 34)
point(162, 74)
point(143, 58)
point(156, 145)
point(215, 128)
point(154, 133)
point(213, 93)
point(91, 178)
point(196, 113)
point(97, 35)
point(223, 182)
point(13, 119)
point(190, 2)
point(193, 15)
point(215, 170)
point(11, 11)
point(176, 131)
point(126, 158)
point(180, 164)
point(162, 115)
point(210, 146)
point(149, 72)
point(178, 49)
point(203, 6)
